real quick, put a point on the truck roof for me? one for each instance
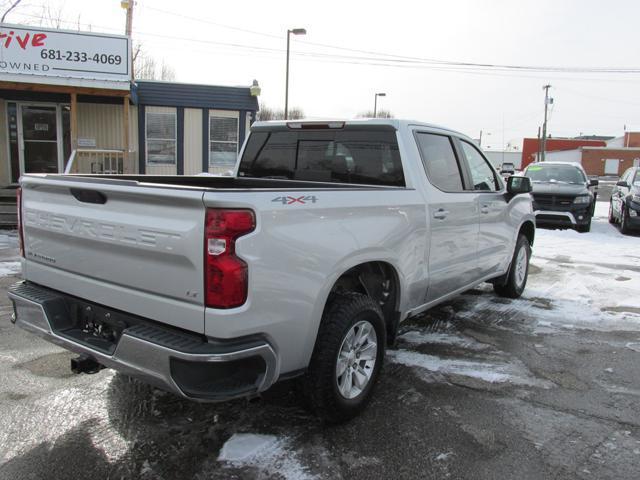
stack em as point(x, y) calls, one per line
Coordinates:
point(396, 123)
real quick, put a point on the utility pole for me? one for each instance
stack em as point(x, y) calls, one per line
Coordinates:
point(128, 4)
point(544, 125)
point(128, 29)
point(539, 145)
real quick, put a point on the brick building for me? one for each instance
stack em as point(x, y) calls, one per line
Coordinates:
point(597, 156)
point(531, 146)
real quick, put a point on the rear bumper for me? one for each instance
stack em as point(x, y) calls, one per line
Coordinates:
point(184, 363)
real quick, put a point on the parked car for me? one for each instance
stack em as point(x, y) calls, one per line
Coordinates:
point(624, 206)
point(507, 169)
point(562, 194)
point(301, 265)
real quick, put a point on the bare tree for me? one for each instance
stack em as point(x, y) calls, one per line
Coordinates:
point(145, 67)
point(7, 7)
point(268, 113)
point(167, 72)
point(52, 17)
point(379, 114)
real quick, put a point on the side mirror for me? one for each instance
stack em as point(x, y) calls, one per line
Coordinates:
point(517, 185)
point(593, 182)
point(622, 183)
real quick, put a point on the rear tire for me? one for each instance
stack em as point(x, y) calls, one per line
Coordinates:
point(518, 271)
point(345, 367)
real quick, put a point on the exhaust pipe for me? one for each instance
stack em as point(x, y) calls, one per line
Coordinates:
point(85, 364)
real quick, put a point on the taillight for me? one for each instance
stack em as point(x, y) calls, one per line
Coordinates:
point(20, 233)
point(226, 277)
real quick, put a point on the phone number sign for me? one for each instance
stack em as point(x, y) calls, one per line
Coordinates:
point(41, 55)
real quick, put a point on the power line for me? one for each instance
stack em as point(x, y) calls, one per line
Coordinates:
point(389, 56)
point(382, 60)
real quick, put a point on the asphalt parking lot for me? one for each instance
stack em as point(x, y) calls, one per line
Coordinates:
point(481, 387)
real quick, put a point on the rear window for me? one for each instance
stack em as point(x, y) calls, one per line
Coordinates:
point(344, 156)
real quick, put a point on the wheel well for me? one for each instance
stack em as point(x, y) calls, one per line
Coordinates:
point(378, 280)
point(528, 230)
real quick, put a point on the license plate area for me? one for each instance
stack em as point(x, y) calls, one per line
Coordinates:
point(92, 325)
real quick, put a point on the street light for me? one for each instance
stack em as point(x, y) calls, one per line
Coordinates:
point(375, 103)
point(295, 31)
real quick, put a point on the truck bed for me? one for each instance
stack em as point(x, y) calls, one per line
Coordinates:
point(217, 183)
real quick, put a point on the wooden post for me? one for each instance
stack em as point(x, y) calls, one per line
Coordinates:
point(74, 121)
point(74, 127)
point(125, 134)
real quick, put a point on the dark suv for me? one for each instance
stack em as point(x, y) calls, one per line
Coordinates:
point(562, 195)
point(624, 207)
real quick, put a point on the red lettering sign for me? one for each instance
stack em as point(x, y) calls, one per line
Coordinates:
point(37, 40)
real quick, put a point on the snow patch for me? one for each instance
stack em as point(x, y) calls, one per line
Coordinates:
point(418, 338)
point(265, 452)
point(443, 456)
point(514, 373)
point(9, 268)
point(243, 446)
point(635, 346)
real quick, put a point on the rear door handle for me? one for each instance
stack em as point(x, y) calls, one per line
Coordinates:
point(484, 209)
point(440, 214)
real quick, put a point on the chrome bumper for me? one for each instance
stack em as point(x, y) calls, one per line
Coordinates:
point(567, 215)
point(136, 356)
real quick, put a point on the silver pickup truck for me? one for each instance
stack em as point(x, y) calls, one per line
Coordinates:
point(300, 265)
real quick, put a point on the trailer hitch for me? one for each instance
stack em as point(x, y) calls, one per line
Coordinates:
point(85, 364)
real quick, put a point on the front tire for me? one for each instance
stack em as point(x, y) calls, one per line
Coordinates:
point(518, 271)
point(612, 217)
point(624, 221)
point(584, 228)
point(346, 359)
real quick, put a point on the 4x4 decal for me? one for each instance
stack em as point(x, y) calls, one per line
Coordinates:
point(292, 200)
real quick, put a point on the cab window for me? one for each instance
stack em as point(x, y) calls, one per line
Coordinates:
point(440, 162)
point(482, 175)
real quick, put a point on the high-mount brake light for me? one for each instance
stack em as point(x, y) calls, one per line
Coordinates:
point(226, 279)
point(315, 125)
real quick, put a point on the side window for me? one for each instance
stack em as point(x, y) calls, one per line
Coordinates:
point(482, 174)
point(625, 176)
point(440, 161)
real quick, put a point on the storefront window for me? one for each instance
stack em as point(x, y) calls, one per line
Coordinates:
point(161, 136)
point(223, 142)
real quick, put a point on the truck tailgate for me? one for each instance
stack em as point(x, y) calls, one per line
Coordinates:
point(130, 247)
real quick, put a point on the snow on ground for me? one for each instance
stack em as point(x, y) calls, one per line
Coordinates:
point(270, 454)
point(443, 338)
point(591, 279)
point(9, 268)
point(8, 239)
point(8, 250)
point(513, 372)
point(577, 281)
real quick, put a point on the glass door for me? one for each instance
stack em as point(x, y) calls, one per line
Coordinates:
point(39, 139)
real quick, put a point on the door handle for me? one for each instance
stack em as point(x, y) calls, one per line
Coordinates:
point(484, 209)
point(440, 214)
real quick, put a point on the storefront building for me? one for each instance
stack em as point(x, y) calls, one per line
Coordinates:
point(68, 103)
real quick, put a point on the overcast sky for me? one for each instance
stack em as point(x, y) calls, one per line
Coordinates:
point(232, 43)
